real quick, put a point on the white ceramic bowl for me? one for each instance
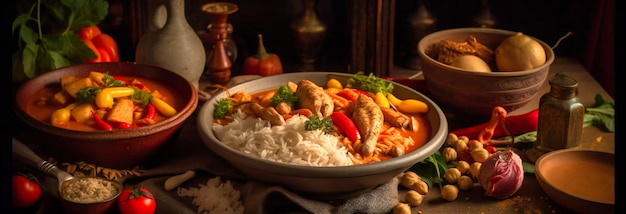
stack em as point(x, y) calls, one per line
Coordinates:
point(320, 182)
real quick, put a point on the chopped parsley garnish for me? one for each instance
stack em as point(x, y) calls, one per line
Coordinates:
point(369, 83)
point(315, 123)
point(284, 94)
point(87, 94)
point(110, 81)
point(222, 108)
point(141, 97)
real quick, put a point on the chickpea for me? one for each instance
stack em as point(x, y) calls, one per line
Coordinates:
point(479, 155)
point(460, 145)
point(475, 169)
point(463, 166)
point(401, 208)
point(465, 182)
point(449, 192)
point(464, 138)
point(421, 187)
point(452, 175)
point(409, 178)
point(451, 139)
point(474, 144)
point(449, 154)
point(413, 198)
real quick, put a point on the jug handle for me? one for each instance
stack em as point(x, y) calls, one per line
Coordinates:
point(159, 18)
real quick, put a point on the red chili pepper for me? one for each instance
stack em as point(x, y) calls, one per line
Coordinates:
point(346, 125)
point(361, 92)
point(149, 117)
point(518, 124)
point(123, 125)
point(101, 123)
point(121, 79)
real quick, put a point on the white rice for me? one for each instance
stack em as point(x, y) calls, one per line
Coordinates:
point(215, 197)
point(289, 143)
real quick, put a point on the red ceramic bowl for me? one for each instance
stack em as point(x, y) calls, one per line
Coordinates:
point(112, 149)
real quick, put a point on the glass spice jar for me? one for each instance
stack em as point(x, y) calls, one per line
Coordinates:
point(561, 117)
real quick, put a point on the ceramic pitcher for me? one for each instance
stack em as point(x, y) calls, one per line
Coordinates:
point(171, 43)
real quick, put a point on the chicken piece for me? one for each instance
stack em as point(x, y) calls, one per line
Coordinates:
point(368, 119)
point(395, 118)
point(270, 114)
point(283, 108)
point(313, 97)
point(446, 51)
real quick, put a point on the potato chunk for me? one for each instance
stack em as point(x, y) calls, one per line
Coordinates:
point(122, 111)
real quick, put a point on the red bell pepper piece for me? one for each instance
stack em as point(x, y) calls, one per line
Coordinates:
point(103, 45)
point(346, 125)
point(518, 124)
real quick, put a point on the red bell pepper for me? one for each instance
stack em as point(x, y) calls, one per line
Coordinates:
point(262, 63)
point(346, 125)
point(518, 124)
point(103, 45)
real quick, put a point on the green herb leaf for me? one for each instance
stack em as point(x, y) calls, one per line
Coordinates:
point(369, 83)
point(141, 97)
point(283, 94)
point(602, 114)
point(315, 123)
point(87, 94)
point(432, 169)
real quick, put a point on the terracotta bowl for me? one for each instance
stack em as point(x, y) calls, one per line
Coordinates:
point(113, 149)
point(320, 182)
point(580, 180)
point(474, 94)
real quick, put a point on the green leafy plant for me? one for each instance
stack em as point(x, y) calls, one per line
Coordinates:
point(370, 83)
point(46, 32)
point(602, 114)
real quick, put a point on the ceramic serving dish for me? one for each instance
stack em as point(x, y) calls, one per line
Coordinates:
point(580, 180)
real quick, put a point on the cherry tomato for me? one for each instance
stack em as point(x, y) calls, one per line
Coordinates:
point(137, 200)
point(25, 191)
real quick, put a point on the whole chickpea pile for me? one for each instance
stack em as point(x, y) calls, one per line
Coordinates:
point(467, 156)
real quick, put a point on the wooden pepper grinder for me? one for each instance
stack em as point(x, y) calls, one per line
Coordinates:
point(219, 63)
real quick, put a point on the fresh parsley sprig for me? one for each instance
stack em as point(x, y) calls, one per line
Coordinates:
point(370, 83)
point(315, 123)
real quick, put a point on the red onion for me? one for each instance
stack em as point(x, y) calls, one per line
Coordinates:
point(501, 175)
